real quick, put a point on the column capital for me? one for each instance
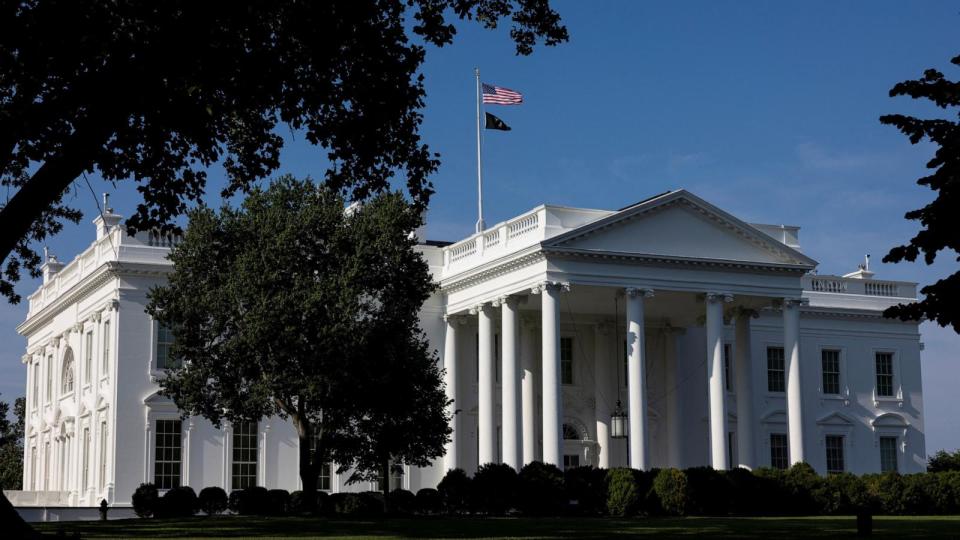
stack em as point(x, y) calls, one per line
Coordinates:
point(643, 292)
point(95, 316)
point(454, 318)
point(561, 286)
point(795, 302)
point(726, 298)
point(740, 311)
point(78, 328)
point(113, 305)
point(477, 309)
point(506, 300)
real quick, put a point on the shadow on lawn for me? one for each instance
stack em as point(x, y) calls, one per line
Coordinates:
point(299, 527)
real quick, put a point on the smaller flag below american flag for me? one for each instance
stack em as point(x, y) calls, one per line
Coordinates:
point(496, 95)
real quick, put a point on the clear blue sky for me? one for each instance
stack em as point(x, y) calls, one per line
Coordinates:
point(766, 109)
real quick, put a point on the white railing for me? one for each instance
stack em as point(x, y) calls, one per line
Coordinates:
point(491, 239)
point(829, 285)
point(496, 241)
point(523, 225)
point(880, 288)
point(160, 239)
point(461, 251)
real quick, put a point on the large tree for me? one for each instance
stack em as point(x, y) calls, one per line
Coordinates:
point(11, 445)
point(940, 219)
point(289, 305)
point(157, 92)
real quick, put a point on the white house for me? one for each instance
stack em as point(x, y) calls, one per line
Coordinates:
point(723, 345)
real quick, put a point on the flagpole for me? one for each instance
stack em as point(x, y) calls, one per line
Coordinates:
point(480, 224)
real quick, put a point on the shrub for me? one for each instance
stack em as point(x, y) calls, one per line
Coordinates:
point(428, 501)
point(212, 500)
point(945, 498)
point(540, 489)
point(671, 488)
point(402, 502)
point(708, 492)
point(885, 492)
point(250, 501)
point(944, 461)
point(586, 490)
point(145, 499)
point(277, 502)
point(771, 499)
point(918, 493)
point(494, 489)
point(748, 492)
point(180, 501)
point(454, 490)
point(371, 503)
point(366, 504)
point(840, 494)
point(801, 482)
point(623, 495)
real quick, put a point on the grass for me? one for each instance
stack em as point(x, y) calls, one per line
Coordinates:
point(302, 527)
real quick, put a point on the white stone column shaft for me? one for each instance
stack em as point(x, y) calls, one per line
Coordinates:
point(637, 378)
point(743, 365)
point(674, 403)
point(717, 392)
point(487, 432)
point(603, 392)
point(528, 393)
point(791, 353)
point(510, 383)
point(451, 458)
point(550, 367)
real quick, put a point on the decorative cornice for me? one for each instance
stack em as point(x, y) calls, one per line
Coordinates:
point(676, 260)
point(499, 267)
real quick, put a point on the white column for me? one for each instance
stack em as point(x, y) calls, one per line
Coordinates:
point(791, 352)
point(451, 457)
point(510, 382)
point(637, 378)
point(674, 402)
point(744, 368)
point(550, 367)
point(603, 392)
point(487, 432)
point(718, 405)
point(528, 393)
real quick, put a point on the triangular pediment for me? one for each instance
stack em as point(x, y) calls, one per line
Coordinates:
point(683, 226)
point(835, 419)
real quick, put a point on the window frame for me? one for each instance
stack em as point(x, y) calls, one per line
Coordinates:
point(68, 368)
point(839, 372)
point(896, 452)
point(775, 460)
point(105, 348)
point(827, 439)
point(893, 395)
point(782, 370)
point(244, 475)
point(729, 373)
point(88, 357)
point(175, 448)
point(159, 331)
point(567, 364)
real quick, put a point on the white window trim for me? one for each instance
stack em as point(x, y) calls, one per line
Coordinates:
point(846, 436)
point(901, 436)
point(104, 337)
point(844, 394)
point(897, 397)
point(764, 364)
point(152, 418)
point(572, 336)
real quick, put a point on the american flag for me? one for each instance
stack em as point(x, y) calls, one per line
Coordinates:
point(497, 95)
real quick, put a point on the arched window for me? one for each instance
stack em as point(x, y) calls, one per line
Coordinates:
point(66, 378)
point(570, 433)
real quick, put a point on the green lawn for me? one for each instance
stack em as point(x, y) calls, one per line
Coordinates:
point(296, 527)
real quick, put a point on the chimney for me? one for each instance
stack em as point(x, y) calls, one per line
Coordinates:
point(50, 265)
point(106, 221)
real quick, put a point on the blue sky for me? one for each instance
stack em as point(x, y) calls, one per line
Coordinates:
point(766, 109)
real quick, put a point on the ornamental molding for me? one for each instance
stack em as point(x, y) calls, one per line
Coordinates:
point(676, 260)
point(452, 318)
point(493, 269)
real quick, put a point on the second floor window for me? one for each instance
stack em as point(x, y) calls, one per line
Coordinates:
point(566, 360)
point(830, 361)
point(776, 380)
point(106, 348)
point(66, 379)
point(885, 374)
point(727, 376)
point(164, 343)
point(87, 356)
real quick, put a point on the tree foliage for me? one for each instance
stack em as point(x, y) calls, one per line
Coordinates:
point(11, 445)
point(940, 219)
point(291, 306)
point(157, 92)
point(944, 461)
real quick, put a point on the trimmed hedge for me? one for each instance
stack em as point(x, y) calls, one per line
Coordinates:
point(177, 502)
point(454, 490)
point(495, 488)
point(212, 500)
point(540, 490)
point(145, 500)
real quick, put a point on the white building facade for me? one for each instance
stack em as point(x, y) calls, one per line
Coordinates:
point(722, 345)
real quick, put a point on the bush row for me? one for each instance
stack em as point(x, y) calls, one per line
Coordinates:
point(540, 489)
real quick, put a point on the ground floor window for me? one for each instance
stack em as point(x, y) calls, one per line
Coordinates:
point(244, 455)
point(323, 480)
point(888, 454)
point(778, 451)
point(168, 454)
point(571, 460)
point(834, 445)
point(732, 458)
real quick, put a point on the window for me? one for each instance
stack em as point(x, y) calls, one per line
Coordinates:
point(776, 381)
point(167, 457)
point(570, 433)
point(571, 460)
point(885, 374)
point(49, 378)
point(66, 379)
point(396, 477)
point(834, 444)
point(33, 467)
point(323, 481)
point(85, 480)
point(778, 450)
point(566, 360)
point(244, 455)
point(46, 466)
point(36, 383)
point(830, 362)
point(732, 458)
point(104, 369)
point(88, 357)
point(103, 455)
point(727, 378)
point(496, 357)
point(164, 342)
point(888, 454)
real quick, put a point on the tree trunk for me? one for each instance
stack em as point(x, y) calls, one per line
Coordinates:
point(385, 486)
point(308, 476)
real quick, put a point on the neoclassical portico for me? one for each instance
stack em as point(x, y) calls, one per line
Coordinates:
point(653, 269)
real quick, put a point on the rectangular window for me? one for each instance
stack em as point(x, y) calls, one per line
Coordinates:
point(776, 381)
point(164, 342)
point(323, 481)
point(396, 477)
point(571, 461)
point(86, 458)
point(46, 466)
point(36, 383)
point(888, 454)
point(33, 468)
point(885, 374)
point(244, 455)
point(778, 451)
point(727, 376)
point(103, 455)
point(168, 454)
point(49, 378)
point(732, 459)
point(104, 369)
point(830, 363)
point(88, 357)
point(834, 444)
point(496, 357)
point(566, 360)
